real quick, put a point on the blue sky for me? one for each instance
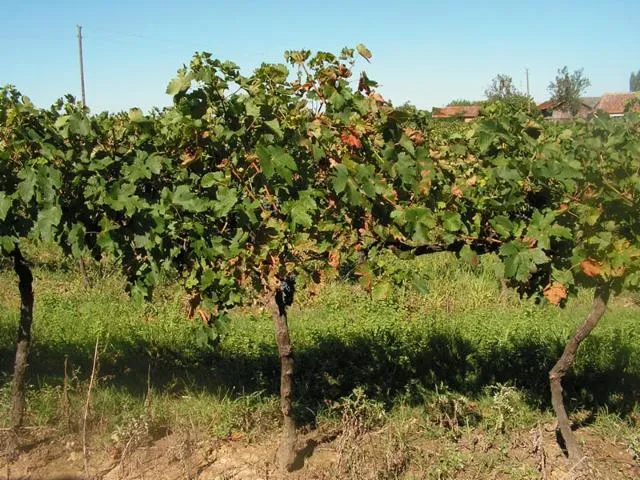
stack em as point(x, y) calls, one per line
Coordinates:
point(426, 52)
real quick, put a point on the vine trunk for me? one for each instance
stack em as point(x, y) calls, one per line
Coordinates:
point(285, 456)
point(599, 306)
point(25, 285)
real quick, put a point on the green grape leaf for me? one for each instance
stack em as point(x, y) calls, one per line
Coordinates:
point(502, 225)
point(5, 205)
point(451, 221)
point(363, 51)
point(47, 219)
point(180, 84)
point(381, 290)
point(274, 126)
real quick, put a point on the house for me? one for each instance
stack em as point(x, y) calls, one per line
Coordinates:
point(614, 103)
point(465, 112)
point(556, 110)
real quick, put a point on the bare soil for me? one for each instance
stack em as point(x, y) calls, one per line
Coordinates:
point(44, 455)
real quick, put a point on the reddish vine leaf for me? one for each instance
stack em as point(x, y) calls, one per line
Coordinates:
point(555, 293)
point(351, 140)
point(591, 267)
point(334, 259)
point(456, 191)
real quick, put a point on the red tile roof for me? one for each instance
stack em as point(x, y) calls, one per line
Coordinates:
point(589, 102)
point(549, 104)
point(465, 111)
point(614, 103)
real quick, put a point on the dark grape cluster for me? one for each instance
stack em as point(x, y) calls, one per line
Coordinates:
point(288, 289)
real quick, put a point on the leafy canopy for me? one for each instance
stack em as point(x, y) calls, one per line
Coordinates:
point(501, 88)
point(249, 178)
point(634, 82)
point(568, 87)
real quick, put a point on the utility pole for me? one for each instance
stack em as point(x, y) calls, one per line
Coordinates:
point(84, 99)
point(527, 73)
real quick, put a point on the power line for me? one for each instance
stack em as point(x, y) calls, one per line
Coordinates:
point(174, 43)
point(164, 40)
point(26, 37)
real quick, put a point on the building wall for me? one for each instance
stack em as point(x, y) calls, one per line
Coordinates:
point(559, 114)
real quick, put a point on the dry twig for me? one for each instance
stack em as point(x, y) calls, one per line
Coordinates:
point(85, 453)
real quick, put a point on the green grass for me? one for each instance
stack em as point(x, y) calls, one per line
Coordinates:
point(463, 337)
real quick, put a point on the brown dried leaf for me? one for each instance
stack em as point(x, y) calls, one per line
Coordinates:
point(377, 97)
point(204, 316)
point(435, 154)
point(343, 71)
point(363, 85)
point(416, 136)
point(531, 242)
point(424, 186)
point(187, 157)
point(617, 271)
point(456, 191)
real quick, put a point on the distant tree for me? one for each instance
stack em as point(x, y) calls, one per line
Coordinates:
point(633, 105)
point(511, 105)
point(501, 88)
point(416, 118)
point(634, 82)
point(568, 87)
point(461, 102)
point(408, 107)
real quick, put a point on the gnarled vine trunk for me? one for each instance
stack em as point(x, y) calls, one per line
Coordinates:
point(25, 285)
point(86, 283)
point(599, 306)
point(286, 453)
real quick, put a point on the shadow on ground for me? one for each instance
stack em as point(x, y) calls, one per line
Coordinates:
point(384, 364)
